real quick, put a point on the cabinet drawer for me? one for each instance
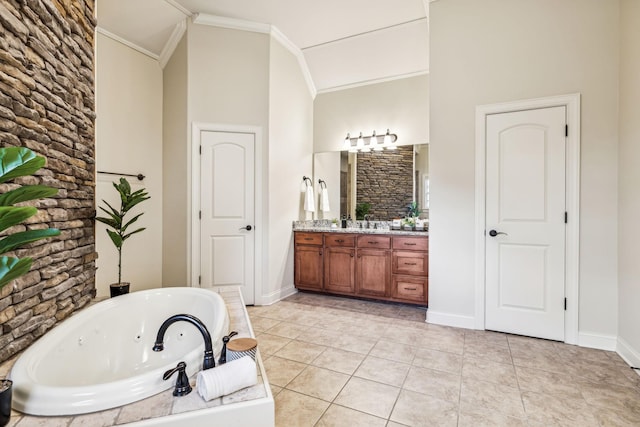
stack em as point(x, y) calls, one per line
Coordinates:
point(414, 263)
point(377, 242)
point(411, 243)
point(308, 238)
point(410, 288)
point(348, 241)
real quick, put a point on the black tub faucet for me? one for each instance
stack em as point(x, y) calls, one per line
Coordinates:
point(209, 361)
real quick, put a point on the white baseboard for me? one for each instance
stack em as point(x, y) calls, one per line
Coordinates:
point(446, 319)
point(278, 295)
point(599, 341)
point(628, 353)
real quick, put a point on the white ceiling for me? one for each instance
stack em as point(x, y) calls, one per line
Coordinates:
point(344, 43)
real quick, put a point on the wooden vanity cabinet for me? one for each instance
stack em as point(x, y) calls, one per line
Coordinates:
point(373, 270)
point(308, 263)
point(339, 263)
point(379, 266)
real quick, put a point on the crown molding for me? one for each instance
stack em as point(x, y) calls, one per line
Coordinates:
point(172, 43)
point(231, 23)
point(126, 43)
point(372, 82)
point(180, 8)
point(257, 27)
point(295, 51)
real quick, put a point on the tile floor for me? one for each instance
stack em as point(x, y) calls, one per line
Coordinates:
point(335, 361)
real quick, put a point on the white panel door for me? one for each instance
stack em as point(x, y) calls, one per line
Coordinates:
point(227, 211)
point(525, 222)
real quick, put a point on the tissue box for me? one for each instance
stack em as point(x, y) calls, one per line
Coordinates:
point(396, 224)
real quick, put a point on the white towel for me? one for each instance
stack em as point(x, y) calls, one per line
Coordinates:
point(225, 379)
point(309, 202)
point(324, 200)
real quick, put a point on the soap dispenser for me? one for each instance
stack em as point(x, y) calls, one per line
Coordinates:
point(344, 221)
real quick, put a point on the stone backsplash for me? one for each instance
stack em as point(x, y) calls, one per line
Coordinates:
point(47, 104)
point(385, 180)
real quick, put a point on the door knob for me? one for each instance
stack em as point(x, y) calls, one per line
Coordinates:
point(494, 233)
point(248, 228)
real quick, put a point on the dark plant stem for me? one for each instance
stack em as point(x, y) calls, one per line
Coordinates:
point(119, 265)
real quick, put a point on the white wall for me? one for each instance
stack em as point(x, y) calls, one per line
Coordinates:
point(501, 50)
point(175, 209)
point(629, 178)
point(290, 157)
point(129, 140)
point(399, 105)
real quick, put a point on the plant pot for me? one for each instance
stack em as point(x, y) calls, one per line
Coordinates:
point(119, 289)
point(6, 391)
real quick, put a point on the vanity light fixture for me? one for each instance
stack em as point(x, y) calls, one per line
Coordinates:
point(358, 144)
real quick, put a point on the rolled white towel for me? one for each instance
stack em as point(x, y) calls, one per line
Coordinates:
point(324, 200)
point(309, 202)
point(227, 378)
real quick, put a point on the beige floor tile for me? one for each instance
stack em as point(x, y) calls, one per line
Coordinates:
point(438, 360)
point(488, 419)
point(286, 330)
point(393, 351)
point(29, 421)
point(275, 389)
point(485, 370)
point(270, 344)
point(438, 384)
point(491, 352)
point(300, 351)
point(442, 341)
point(338, 360)
point(320, 383)
point(361, 345)
point(339, 416)
point(295, 409)
point(261, 324)
point(368, 396)
point(281, 371)
point(486, 337)
point(491, 397)
point(415, 409)
point(383, 371)
point(320, 337)
point(552, 410)
point(395, 424)
point(547, 382)
point(608, 396)
point(151, 407)
point(97, 419)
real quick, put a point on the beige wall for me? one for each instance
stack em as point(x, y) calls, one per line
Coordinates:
point(129, 140)
point(629, 178)
point(399, 105)
point(502, 50)
point(290, 157)
point(175, 209)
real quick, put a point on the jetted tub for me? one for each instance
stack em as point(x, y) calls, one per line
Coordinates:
point(102, 357)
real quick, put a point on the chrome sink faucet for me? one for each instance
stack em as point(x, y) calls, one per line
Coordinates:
point(209, 361)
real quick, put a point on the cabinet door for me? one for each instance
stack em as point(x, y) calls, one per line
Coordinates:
point(373, 272)
point(308, 267)
point(339, 270)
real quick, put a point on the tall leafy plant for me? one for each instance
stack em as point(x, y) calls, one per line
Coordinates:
point(16, 162)
point(118, 231)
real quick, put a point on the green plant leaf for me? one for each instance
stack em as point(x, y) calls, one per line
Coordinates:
point(126, 236)
point(18, 161)
point(16, 240)
point(108, 221)
point(115, 238)
point(12, 268)
point(13, 215)
point(133, 201)
point(28, 192)
point(114, 216)
point(131, 221)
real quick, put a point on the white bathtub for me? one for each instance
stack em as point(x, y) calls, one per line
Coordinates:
point(102, 357)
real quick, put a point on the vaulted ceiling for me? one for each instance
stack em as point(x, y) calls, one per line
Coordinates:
point(343, 42)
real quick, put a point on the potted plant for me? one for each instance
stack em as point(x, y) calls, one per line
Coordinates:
point(118, 229)
point(409, 223)
point(362, 209)
point(16, 162)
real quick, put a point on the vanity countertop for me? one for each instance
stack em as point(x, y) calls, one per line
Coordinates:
point(354, 230)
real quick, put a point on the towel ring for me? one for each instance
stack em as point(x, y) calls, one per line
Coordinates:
point(322, 182)
point(305, 179)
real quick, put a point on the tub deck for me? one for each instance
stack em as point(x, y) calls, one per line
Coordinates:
point(251, 406)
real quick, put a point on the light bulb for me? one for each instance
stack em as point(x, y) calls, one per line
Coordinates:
point(347, 142)
point(374, 142)
point(360, 143)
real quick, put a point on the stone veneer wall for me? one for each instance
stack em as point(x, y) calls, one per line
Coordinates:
point(385, 180)
point(47, 104)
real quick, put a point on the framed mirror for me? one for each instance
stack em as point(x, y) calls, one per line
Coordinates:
point(381, 184)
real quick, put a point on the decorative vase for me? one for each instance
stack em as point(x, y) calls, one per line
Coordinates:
point(119, 289)
point(6, 390)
